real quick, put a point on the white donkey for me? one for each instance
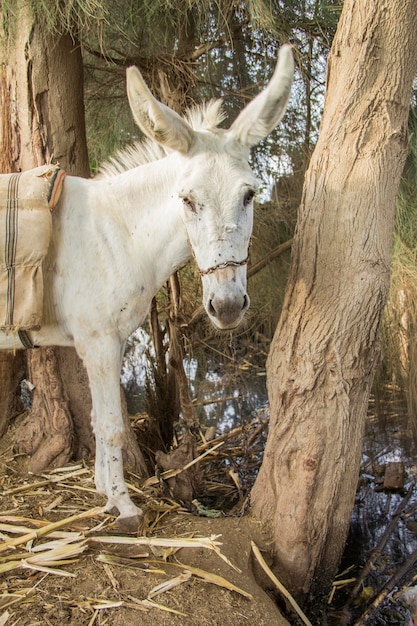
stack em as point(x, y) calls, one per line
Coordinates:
point(116, 240)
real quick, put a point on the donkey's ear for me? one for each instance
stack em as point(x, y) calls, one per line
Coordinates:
point(261, 115)
point(156, 120)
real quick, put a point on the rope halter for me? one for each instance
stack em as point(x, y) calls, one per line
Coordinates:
point(224, 265)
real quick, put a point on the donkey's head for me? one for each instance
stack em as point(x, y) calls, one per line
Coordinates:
point(216, 186)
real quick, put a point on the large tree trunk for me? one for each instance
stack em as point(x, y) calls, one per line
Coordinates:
point(43, 121)
point(11, 373)
point(44, 83)
point(326, 346)
point(11, 364)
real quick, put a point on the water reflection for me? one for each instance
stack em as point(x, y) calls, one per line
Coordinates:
point(382, 533)
point(226, 393)
point(388, 439)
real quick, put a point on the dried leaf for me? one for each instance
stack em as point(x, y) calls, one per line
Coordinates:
point(215, 579)
point(209, 543)
point(4, 618)
point(150, 604)
point(47, 570)
point(107, 604)
point(169, 584)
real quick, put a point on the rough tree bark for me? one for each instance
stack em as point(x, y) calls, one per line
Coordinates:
point(42, 117)
point(326, 346)
point(43, 78)
point(11, 365)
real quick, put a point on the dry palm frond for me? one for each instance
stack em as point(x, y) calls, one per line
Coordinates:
point(151, 568)
point(209, 543)
point(279, 585)
point(57, 545)
point(48, 560)
point(215, 579)
point(8, 599)
point(41, 483)
point(45, 530)
point(113, 559)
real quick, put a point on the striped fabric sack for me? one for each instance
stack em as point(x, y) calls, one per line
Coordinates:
point(26, 202)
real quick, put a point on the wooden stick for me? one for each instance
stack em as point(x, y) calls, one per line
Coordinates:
point(254, 269)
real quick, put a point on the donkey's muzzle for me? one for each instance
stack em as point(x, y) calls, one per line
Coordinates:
point(227, 312)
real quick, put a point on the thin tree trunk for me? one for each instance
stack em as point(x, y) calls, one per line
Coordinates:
point(326, 346)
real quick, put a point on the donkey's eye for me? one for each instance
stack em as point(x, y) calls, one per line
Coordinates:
point(189, 204)
point(248, 197)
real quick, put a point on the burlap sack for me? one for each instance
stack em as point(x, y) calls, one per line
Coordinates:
point(26, 200)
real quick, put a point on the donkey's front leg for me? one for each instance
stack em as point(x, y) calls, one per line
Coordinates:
point(103, 362)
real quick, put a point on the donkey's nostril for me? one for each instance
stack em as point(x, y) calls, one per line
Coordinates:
point(211, 308)
point(245, 302)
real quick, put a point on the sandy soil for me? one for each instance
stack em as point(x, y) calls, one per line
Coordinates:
point(111, 583)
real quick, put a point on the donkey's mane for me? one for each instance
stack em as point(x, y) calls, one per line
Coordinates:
point(203, 117)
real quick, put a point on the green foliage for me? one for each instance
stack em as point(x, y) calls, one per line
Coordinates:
point(70, 16)
point(191, 51)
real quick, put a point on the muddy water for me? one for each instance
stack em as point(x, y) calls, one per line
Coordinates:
point(389, 439)
point(383, 531)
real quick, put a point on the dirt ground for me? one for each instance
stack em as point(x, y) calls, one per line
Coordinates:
point(79, 579)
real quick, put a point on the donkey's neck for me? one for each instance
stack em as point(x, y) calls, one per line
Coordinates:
point(146, 200)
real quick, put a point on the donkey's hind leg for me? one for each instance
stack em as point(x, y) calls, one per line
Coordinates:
point(103, 362)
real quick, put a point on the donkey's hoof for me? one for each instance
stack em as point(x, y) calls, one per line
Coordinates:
point(130, 524)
